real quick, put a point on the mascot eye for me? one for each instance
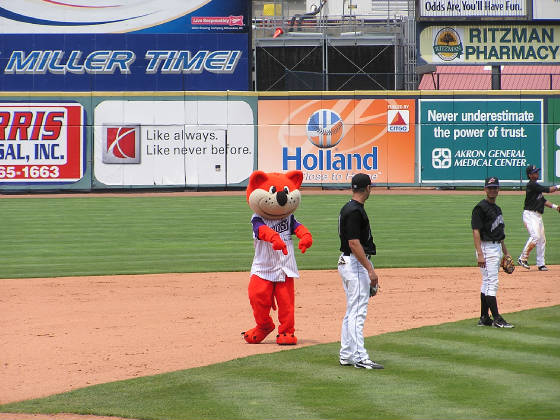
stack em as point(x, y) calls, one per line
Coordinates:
point(286, 190)
point(272, 189)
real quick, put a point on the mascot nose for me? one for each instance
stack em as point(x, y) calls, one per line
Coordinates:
point(282, 198)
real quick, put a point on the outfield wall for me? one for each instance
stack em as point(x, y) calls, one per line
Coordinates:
point(214, 140)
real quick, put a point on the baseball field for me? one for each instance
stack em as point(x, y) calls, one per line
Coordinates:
point(132, 306)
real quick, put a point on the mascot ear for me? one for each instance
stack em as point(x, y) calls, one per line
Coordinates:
point(296, 177)
point(256, 179)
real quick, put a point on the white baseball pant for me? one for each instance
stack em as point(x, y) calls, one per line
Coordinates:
point(535, 226)
point(355, 281)
point(492, 252)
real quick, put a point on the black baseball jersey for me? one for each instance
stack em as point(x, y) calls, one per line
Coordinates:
point(353, 223)
point(487, 218)
point(534, 199)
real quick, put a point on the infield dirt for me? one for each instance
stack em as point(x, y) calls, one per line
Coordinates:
point(61, 334)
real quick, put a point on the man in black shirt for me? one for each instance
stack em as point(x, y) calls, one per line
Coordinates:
point(488, 228)
point(357, 272)
point(532, 218)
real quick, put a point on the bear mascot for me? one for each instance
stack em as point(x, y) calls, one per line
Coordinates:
point(274, 197)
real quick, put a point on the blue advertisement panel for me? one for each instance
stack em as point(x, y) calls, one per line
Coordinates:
point(141, 45)
point(467, 140)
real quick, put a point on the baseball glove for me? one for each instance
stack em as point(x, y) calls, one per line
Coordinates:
point(373, 290)
point(507, 264)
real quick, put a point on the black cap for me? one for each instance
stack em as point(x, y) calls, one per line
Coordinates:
point(531, 169)
point(361, 181)
point(491, 182)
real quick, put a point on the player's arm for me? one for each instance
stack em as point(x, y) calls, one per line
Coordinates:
point(504, 249)
point(552, 205)
point(480, 256)
point(358, 251)
point(554, 188)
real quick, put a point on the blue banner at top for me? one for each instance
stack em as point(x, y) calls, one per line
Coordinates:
point(84, 45)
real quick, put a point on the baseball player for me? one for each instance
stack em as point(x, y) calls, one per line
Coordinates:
point(357, 273)
point(532, 218)
point(487, 224)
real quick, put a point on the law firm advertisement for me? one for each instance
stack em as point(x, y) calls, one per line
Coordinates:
point(41, 143)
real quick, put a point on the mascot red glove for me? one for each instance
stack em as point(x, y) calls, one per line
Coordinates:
point(274, 197)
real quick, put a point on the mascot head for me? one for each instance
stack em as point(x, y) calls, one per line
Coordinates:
point(274, 195)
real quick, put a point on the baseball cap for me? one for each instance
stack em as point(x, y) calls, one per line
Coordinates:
point(531, 169)
point(491, 182)
point(361, 181)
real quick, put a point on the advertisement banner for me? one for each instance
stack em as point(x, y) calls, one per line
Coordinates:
point(472, 8)
point(41, 143)
point(480, 44)
point(546, 10)
point(332, 139)
point(163, 45)
point(467, 140)
point(553, 134)
point(173, 143)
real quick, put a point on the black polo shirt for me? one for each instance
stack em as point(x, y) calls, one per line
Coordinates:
point(353, 223)
point(534, 199)
point(487, 218)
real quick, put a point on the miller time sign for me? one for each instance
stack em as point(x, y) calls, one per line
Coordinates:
point(482, 44)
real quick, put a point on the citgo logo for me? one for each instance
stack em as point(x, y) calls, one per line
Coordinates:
point(448, 45)
point(397, 120)
point(325, 128)
point(121, 144)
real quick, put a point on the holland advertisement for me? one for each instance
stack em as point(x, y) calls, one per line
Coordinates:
point(41, 143)
point(467, 140)
point(479, 44)
point(173, 143)
point(330, 140)
point(138, 45)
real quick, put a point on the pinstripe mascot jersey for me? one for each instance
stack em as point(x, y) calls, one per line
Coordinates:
point(270, 264)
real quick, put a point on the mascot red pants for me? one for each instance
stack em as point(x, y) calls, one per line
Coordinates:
point(262, 294)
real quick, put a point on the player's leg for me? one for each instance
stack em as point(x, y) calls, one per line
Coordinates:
point(357, 300)
point(350, 335)
point(346, 348)
point(541, 244)
point(531, 222)
point(492, 256)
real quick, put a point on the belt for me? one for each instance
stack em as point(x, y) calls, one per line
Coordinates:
point(494, 242)
point(347, 254)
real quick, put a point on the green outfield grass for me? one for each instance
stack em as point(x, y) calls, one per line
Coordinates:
point(100, 235)
point(450, 371)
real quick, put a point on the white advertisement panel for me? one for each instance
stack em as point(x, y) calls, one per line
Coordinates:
point(546, 9)
point(173, 143)
point(473, 8)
